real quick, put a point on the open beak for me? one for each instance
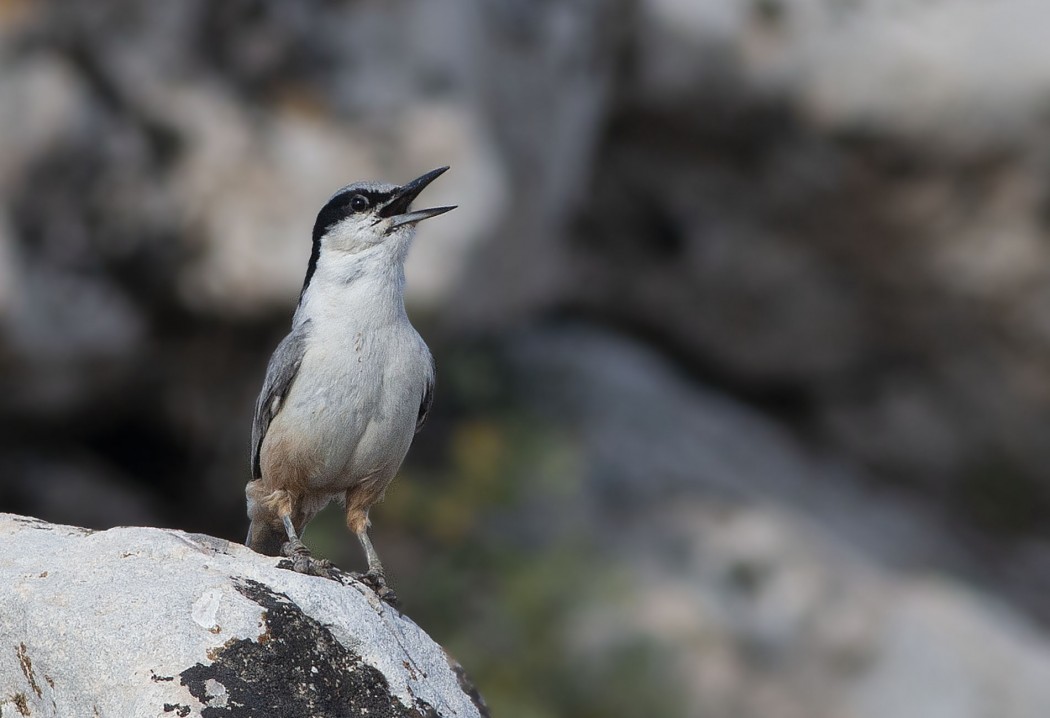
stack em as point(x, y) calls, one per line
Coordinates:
point(397, 208)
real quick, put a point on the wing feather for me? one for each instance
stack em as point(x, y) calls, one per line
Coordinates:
point(280, 373)
point(428, 387)
point(425, 403)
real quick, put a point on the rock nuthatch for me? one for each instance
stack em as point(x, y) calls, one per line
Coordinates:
point(348, 388)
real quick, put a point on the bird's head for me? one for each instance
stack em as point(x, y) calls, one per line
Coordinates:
point(368, 215)
point(365, 214)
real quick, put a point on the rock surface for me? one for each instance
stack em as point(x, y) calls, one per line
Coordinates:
point(150, 622)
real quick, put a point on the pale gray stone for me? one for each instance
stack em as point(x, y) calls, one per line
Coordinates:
point(153, 622)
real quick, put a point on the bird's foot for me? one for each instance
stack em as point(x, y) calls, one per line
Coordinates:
point(303, 562)
point(377, 582)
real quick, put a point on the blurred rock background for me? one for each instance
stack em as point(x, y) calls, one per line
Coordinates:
point(742, 324)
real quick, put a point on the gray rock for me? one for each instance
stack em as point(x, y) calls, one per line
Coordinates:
point(151, 622)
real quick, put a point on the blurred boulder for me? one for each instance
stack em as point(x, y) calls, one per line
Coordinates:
point(249, 188)
point(856, 247)
point(770, 579)
point(545, 75)
point(147, 622)
point(765, 614)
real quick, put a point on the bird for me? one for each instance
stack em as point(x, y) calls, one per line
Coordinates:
point(351, 384)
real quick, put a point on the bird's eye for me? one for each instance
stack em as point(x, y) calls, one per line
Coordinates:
point(359, 203)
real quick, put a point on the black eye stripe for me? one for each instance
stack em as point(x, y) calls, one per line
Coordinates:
point(335, 210)
point(345, 198)
point(339, 208)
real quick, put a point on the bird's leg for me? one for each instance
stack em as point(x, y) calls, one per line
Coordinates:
point(375, 566)
point(357, 521)
point(376, 576)
point(294, 546)
point(295, 549)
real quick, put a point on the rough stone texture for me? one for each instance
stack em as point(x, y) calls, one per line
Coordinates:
point(147, 622)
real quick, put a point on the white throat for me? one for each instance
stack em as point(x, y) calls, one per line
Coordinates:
point(356, 289)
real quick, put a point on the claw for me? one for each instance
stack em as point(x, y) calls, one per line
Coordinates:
point(294, 548)
point(377, 582)
point(303, 562)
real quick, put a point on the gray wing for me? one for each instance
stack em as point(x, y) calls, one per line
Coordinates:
point(280, 373)
point(424, 405)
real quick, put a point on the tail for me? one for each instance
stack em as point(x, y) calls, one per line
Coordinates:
point(265, 538)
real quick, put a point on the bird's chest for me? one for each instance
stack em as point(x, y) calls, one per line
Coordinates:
point(356, 396)
point(361, 373)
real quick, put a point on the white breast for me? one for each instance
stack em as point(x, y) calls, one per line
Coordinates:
point(354, 402)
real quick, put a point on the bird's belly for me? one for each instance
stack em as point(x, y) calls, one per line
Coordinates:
point(344, 427)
